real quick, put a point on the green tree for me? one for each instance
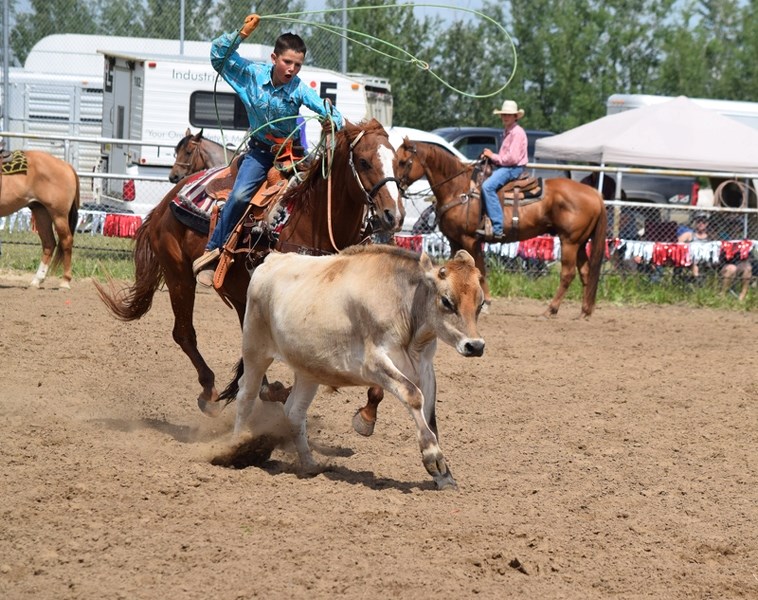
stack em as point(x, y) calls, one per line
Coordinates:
point(48, 17)
point(162, 19)
point(121, 17)
point(476, 58)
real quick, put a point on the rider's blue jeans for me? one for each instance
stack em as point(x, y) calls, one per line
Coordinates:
point(499, 178)
point(252, 172)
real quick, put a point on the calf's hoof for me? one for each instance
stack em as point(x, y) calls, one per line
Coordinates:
point(363, 426)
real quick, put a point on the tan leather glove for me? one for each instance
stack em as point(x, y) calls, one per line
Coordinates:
point(251, 22)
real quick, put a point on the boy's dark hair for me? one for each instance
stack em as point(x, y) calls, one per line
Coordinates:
point(289, 41)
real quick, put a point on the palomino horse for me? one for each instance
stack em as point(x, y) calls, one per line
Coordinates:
point(571, 210)
point(328, 210)
point(195, 153)
point(49, 186)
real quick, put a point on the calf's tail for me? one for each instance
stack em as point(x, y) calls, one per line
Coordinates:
point(230, 392)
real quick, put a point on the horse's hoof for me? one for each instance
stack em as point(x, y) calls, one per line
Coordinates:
point(35, 283)
point(64, 285)
point(211, 408)
point(446, 482)
point(363, 426)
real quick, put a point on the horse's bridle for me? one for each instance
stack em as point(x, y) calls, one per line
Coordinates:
point(368, 196)
point(413, 151)
point(194, 153)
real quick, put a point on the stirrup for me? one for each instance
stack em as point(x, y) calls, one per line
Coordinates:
point(206, 259)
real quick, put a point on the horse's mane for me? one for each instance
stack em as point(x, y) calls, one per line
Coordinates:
point(304, 195)
point(440, 160)
point(185, 140)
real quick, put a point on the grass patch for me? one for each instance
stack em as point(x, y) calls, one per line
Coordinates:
point(515, 279)
point(94, 256)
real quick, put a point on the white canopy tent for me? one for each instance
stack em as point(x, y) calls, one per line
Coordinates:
point(677, 134)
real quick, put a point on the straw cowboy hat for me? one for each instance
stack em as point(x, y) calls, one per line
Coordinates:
point(509, 108)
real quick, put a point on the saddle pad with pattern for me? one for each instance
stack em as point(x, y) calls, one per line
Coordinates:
point(15, 163)
point(194, 196)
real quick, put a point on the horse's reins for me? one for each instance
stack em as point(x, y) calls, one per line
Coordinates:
point(368, 196)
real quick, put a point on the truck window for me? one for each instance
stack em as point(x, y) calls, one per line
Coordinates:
point(472, 146)
point(231, 112)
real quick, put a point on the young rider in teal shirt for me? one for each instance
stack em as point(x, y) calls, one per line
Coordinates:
point(272, 95)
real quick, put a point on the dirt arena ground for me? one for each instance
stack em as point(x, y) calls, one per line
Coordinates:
point(614, 458)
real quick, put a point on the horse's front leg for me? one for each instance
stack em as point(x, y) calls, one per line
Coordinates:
point(181, 289)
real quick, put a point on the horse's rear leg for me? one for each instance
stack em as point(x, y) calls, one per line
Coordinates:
point(65, 247)
point(583, 268)
point(44, 225)
point(365, 419)
point(568, 272)
point(181, 288)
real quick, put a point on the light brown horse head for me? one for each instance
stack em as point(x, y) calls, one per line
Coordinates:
point(363, 160)
point(410, 166)
point(372, 159)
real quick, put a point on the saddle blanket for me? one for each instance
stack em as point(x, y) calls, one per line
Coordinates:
point(15, 163)
point(193, 195)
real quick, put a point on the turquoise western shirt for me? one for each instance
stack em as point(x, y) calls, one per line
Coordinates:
point(263, 101)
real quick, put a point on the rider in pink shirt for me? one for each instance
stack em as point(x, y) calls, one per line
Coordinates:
point(510, 161)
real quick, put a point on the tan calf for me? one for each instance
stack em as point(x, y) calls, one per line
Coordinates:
point(369, 316)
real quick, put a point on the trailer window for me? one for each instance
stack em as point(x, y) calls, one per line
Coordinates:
point(231, 112)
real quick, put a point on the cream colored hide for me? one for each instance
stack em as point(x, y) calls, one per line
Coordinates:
point(370, 315)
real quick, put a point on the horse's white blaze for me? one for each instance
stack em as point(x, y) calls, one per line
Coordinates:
point(387, 160)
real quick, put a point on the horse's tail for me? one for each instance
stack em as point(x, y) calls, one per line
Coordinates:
point(133, 302)
point(597, 253)
point(230, 392)
point(73, 212)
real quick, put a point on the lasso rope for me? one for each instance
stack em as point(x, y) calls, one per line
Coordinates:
point(406, 57)
point(352, 36)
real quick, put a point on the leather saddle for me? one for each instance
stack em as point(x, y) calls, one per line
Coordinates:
point(525, 187)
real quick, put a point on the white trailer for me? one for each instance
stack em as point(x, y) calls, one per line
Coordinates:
point(155, 98)
point(56, 104)
point(744, 112)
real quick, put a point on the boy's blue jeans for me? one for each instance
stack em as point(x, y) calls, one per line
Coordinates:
point(252, 173)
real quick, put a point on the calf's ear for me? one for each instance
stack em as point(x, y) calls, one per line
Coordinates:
point(464, 256)
point(426, 263)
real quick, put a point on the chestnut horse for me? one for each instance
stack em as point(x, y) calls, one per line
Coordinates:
point(49, 186)
point(195, 153)
point(328, 212)
point(573, 211)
